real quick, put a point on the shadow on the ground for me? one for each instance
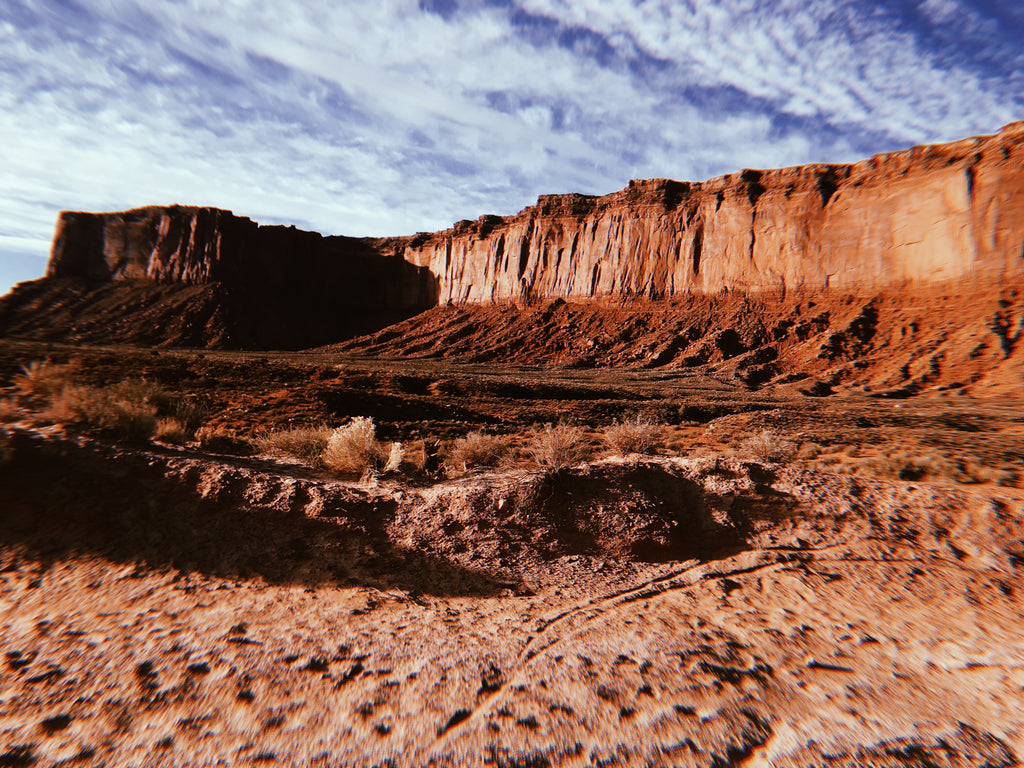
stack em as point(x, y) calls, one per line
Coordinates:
point(61, 500)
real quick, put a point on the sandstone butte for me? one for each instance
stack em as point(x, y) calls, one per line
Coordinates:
point(932, 213)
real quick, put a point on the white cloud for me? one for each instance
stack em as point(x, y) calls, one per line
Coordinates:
point(382, 118)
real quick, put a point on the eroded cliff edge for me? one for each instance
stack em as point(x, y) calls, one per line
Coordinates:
point(948, 213)
point(928, 214)
point(189, 276)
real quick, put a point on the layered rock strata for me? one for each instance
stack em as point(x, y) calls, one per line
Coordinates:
point(949, 213)
point(277, 287)
point(928, 214)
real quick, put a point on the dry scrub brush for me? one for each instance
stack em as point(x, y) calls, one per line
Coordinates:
point(354, 447)
point(556, 447)
point(636, 435)
point(110, 409)
point(303, 443)
point(768, 446)
point(43, 378)
point(476, 449)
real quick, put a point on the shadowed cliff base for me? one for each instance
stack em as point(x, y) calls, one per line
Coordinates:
point(205, 315)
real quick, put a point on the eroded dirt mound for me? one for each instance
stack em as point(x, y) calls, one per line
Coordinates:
point(174, 608)
point(894, 342)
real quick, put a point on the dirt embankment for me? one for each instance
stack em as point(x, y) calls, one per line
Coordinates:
point(175, 608)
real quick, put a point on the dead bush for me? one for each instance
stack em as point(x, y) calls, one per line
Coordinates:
point(768, 446)
point(140, 391)
point(43, 378)
point(108, 409)
point(556, 447)
point(222, 439)
point(192, 414)
point(9, 410)
point(354, 447)
point(476, 449)
point(171, 430)
point(636, 435)
point(303, 443)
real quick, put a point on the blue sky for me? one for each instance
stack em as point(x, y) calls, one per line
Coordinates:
point(395, 116)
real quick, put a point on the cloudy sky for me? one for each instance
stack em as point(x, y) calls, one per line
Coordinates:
point(395, 116)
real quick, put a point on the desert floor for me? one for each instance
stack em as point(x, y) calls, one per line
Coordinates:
point(851, 598)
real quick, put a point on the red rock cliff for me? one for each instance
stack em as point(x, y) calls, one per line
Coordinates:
point(274, 287)
point(928, 214)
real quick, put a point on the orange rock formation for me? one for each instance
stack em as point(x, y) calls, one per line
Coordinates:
point(928, 214)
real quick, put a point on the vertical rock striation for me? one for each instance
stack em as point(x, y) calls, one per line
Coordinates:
point(928, 214)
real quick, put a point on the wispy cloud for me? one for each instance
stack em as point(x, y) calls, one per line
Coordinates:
point(398, 116)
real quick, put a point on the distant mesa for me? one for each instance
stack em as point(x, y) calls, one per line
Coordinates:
point(203, 277)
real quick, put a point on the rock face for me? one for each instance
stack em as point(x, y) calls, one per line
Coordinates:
point(275, 287)
point(951, 213)
point(928, 214)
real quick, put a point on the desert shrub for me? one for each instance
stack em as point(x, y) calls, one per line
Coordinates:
point(139, 391)
point(768, 446)
point(43, 378)
point(416, 455)
point(104, 408)
point(9, 410)
point(557, 446)
point(222, 439)
point(303, 443)
point(171, 430)
point(476, 449)
point(192, 413)
point(395, 455)
point(636, 435)
point(354, 447)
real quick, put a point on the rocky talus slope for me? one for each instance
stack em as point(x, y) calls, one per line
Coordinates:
point(893, 343)
point(942, 214)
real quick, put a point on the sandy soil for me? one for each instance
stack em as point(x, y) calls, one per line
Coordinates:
point(163, 607)
point(857, 604)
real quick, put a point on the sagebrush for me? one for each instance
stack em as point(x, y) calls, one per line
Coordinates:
point(476, 449)
point(303, 443)
point(768, 446)
point(354, 447)
point(636, 435)
point(558, 446)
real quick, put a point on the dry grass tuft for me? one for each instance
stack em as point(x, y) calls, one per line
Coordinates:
point(476, 449)
point(303, 443)
point(171, 430)
point(43, 378)
point(10, 411)
point(768, 446)
point(354, 447)
point(556, 447)
point(636, 435)
point(109, 409)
